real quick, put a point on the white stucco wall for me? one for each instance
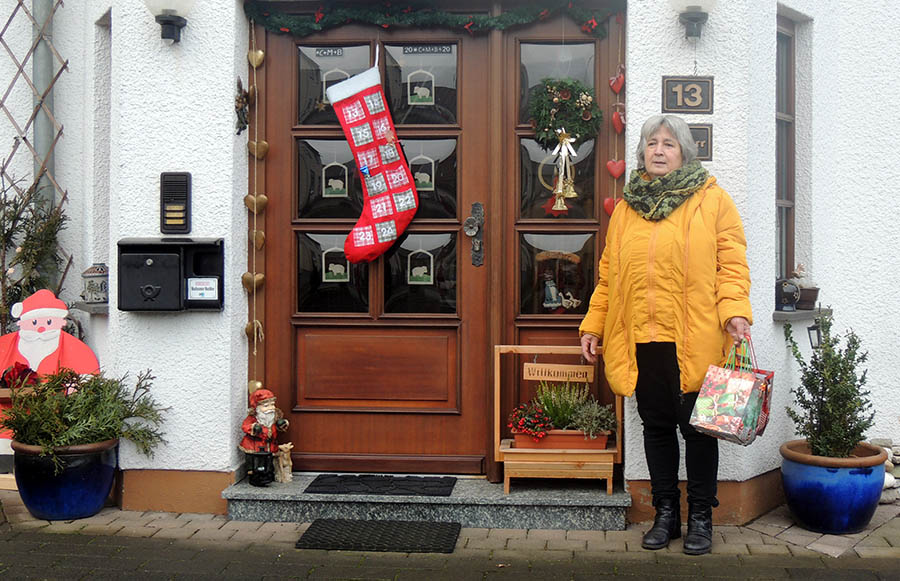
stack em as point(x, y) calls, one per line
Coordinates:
point(173, 110)
point(134, 106)
point(742, 62)
point(846, 88)
point(855, 245)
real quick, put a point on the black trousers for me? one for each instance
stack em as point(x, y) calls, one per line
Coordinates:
point(664, 409)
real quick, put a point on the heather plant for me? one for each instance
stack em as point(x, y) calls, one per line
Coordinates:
point(560, 401)
point(594, 418)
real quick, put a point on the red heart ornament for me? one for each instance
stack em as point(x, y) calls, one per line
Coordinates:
point(617, 82)
point(618, 121)
point(609, 204)
point(615, 167)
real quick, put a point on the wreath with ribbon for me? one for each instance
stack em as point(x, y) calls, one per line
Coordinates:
point(563, 104)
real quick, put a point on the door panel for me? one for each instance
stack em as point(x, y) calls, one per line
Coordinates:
point(550, 257)
point(429, 378)
point(382, 365)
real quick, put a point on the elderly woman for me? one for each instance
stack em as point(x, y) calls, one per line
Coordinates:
point(671, 299)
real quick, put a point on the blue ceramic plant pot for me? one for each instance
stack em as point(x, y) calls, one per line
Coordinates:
point(78, 491)
point(832, 495)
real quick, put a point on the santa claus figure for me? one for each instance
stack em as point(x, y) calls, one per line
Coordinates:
point(261, 428)
point(40, 343)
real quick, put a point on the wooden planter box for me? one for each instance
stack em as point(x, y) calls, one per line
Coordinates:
point(543, 461)
point(571, 439)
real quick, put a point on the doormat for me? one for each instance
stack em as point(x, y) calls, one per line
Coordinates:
point(381, 484)
point(396, 536)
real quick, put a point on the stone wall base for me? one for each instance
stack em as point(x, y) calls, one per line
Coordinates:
point(174, 491)
point(739, 502)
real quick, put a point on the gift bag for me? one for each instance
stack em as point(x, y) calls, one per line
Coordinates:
point(733, 403)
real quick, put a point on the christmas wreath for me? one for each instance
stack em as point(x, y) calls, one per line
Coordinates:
point(563, 104)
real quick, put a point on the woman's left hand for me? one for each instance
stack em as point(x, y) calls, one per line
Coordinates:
point(738, 328)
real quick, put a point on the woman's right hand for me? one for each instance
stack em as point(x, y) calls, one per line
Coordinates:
point(590, 346)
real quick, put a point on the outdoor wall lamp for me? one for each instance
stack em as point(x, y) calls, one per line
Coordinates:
point(815, 332)
point(815, 335)
point(693, 14)
point(171, 16)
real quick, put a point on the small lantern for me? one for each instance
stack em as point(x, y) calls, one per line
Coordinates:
point(815, 335)
point(96, 284)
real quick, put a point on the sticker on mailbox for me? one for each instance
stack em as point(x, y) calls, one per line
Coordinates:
point(203, 289)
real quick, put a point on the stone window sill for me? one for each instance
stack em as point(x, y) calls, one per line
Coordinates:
point(92, 308)
point(799, 315)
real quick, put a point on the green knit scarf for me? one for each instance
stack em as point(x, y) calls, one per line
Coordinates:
point(657, 198)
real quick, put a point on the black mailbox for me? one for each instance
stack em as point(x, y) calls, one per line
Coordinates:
point(171, 274)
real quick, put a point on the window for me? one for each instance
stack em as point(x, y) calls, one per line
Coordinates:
point(785, 151)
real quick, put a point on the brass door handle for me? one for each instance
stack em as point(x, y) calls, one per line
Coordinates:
point(472, 227)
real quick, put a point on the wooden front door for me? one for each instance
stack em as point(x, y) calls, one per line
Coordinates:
point(379, 366)
point(386, 366)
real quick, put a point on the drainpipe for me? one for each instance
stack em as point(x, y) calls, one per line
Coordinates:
point(42, 76)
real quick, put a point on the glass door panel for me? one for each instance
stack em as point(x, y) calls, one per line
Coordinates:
point(327, 181)
point(552, 61)
point(326, 280)
point(420, 275)
point(433, 163)
point(557, 273)
point(319, 68)
point(420, 83)
point(538, 180)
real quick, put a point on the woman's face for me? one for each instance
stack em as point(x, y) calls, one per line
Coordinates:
point(662, 153)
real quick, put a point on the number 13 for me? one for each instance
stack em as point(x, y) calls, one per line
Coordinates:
point(690, 95)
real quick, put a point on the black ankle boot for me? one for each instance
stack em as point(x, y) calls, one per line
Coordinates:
point(666, 525)
point(698, 540)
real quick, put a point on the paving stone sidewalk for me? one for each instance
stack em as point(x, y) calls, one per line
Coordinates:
point(125, 545)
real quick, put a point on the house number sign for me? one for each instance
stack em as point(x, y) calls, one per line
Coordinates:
point(687, 95)
point(703, 137)
point(555, 372)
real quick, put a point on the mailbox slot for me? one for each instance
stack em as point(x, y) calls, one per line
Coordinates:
point(171, 274)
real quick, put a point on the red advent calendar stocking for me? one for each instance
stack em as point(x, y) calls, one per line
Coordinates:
point(390, 198)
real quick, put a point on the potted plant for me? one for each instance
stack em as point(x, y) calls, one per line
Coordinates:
point(66, 429)
point(562, 415)
point(809, 292)
point(832, 479)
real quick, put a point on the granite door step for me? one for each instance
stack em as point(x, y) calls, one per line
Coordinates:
point(474, 503)
point(396, 536)
point(381, 484)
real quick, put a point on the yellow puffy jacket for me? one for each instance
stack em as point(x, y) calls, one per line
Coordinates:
point(700, 268)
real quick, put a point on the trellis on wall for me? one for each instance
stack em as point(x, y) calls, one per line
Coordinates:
point(24, 127)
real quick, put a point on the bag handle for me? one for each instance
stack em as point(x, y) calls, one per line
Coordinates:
point(746, 361)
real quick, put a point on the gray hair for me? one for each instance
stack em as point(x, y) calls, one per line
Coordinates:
point(677, 127)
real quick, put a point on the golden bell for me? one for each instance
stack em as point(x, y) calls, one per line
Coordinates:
point(559, 204)
point(568, 189)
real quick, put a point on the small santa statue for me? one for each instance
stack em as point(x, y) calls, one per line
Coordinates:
point(261, 427)
point(40, 343)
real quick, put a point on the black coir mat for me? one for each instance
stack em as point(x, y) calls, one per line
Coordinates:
point(396, 536)
point(381, 484)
